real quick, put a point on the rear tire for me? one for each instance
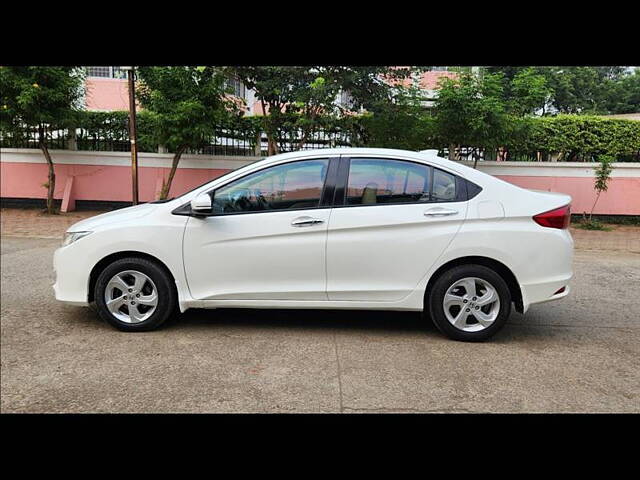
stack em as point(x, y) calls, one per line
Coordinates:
point(469, 303)
point(135, 295)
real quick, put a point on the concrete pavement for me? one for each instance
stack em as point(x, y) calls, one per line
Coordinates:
point(577, 355)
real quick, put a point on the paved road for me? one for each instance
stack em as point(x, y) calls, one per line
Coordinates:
point(578, 355)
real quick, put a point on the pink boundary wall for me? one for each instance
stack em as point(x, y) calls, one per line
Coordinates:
point(108, 182)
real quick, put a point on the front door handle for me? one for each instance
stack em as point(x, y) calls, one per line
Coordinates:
point(440, 212)
point(306, 222)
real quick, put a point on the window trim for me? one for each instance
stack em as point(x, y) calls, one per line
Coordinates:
point(339, 200)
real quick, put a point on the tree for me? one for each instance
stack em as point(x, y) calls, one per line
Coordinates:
point(470, 111)
point(183, 104)
point(273, 86)
point(44, 98)
point(624, 95)
point(528, 92)
point(402, 123)
point(310, 93)
point(602, 177)
point(568, 89)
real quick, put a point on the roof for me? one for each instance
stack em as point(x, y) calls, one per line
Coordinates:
point(425, 155)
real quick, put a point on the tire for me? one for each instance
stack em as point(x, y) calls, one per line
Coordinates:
point(478, 303)
point(144, 278)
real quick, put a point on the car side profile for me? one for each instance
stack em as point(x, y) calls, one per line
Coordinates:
point(351, 228)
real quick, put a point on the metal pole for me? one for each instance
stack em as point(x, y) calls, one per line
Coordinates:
point(133, 136)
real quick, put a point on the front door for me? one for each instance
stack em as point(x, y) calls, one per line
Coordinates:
point(266, 239)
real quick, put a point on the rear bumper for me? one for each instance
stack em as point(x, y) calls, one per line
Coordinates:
point(545, 292)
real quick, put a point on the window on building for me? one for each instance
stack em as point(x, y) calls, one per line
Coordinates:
point(106, 72)
point(236, 87)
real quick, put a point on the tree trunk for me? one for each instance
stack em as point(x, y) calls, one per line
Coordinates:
point(51, 184)
point(166, 186)
point(594, 206)
point(303, 140)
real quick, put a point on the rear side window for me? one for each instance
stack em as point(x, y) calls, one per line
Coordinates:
point(444, 186)
point(380, 181)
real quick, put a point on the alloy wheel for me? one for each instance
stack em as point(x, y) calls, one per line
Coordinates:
point(131, 296)
point(471, 304)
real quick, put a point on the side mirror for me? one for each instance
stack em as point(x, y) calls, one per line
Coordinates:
point(201, 204)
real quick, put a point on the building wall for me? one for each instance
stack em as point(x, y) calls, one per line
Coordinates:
point(106, 176)
point(106, 94)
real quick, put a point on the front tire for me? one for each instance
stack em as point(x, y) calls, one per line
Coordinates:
point(135, 294)
point(469, 303)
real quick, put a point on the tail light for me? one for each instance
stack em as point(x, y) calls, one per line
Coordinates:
point(558, 218)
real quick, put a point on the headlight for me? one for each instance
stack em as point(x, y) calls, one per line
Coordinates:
point(71, 237)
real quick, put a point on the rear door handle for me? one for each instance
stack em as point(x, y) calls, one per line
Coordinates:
point(440, 212)
point(306, 222)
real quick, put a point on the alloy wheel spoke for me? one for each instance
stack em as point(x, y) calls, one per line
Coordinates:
point(114, 304)
point(119, 283)
point(490, 296)
point(483, 318)
point(135, 314)
point(469, 285)
point(451, 300)
point(460, 321)
point(150, 300)
point(140, 280)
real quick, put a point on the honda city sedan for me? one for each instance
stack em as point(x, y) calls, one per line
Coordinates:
point(352, 228)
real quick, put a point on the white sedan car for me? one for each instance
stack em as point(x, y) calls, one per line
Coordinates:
point(354, 228)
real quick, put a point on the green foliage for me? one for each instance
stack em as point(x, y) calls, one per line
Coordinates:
point(570, 90)
point(469, 111)
point(310, 92)
point(39, 96)
point(577, 137)
point(603, 173)
point(592, 224)
point(402, 124)
point(182, 103)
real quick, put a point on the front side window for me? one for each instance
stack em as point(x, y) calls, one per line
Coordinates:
point(296, 185)
point(377, 181)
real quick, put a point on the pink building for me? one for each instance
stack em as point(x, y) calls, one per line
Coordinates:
point(107, 89)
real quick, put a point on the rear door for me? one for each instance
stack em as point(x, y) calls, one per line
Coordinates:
point(391, 220)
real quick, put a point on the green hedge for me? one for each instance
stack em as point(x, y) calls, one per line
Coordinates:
point(566, 137)
point(577, 137)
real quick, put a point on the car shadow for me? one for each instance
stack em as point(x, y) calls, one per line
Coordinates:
point(341, 320)
point(365, 320)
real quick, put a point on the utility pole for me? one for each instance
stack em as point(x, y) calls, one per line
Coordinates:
point(133, 134)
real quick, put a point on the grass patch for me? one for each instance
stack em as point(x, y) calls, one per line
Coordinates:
point(592, 224)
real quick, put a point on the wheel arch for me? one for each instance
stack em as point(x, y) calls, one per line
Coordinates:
point(105, 261)
point(495, 265)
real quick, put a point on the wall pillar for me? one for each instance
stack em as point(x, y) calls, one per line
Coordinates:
point(68, 199)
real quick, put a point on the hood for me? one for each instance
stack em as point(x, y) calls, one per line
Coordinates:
point(117, 216)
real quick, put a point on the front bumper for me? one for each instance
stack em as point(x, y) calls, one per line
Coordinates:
point(72, 277)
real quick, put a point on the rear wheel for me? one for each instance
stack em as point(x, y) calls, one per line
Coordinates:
point(135, 294)
point(469, 303)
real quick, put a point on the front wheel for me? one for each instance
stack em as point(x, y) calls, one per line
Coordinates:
point(469, 303)
point(135, 294)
